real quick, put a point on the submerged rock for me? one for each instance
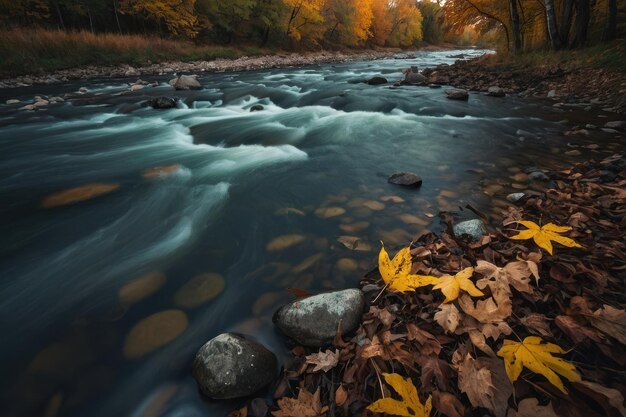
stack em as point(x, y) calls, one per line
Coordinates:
point(257, 107)
point(313, 321)
point(186, 82)
point(538, 176)
point(162, 102)
point(231, 366)
point(407, 179)
point(475, 229)
point(457, 94)
point(618, 124)
point(377, 81)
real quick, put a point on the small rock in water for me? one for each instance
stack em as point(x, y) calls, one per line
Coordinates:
point(186, 82)
point(526, 134)
point(13, 101)
point(475, 229)
point(552, 94)
point(28, 107)
point(538, 176)
point(257, 107)
point(618, 124)
point(131, 72)
point(414, 78)
point(377, 81)
point(313, 321)
point(162, 103)
point(83, 90)
point(407, 179)
point(495, 91)
point(231, 366)
point(515, 197)
point(457, 94)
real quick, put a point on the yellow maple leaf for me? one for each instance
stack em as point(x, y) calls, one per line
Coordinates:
point(537, 356)
point(544, 235)
point(396, 273)
point(451, 286)
point(409, 406)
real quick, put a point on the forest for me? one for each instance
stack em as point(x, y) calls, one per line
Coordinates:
point(513, 25)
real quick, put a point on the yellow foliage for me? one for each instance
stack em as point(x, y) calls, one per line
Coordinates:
point(537, 356)
point(545, 234)
point(396, 273)
point(409, 406)
point(451, 286)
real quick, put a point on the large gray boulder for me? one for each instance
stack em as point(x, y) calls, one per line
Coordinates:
point(475, 229)
point(412, 76)
point(377, 80)
point(231, 366)
point(313, 321)
point(186, 82)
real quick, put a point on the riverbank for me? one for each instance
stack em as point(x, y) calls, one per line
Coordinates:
point(566, 299)
point(39, 56)
point(587, 79)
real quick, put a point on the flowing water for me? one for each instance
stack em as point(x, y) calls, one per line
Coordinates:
point(250, 204)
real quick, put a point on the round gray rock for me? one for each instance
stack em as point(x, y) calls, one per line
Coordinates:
point(495, 91)
point(231, 366)
point(515, 197)
point(186, 82)
point(162, 102)
point(457, 94)
point(407, 179)
point(475, 229)
point(313, 321)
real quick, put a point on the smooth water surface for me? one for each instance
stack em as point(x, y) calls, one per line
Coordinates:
point(76, 280)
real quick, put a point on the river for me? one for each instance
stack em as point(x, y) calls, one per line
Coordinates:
point(252, 203)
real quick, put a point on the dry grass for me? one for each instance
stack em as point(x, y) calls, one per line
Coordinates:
point(32, 51)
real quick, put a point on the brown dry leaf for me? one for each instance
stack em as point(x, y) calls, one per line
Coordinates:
point(433, 368)
point(577, 332)
point(385, 317)
point(610, 395)
point(354, 243)
point(448, 404)
point(323, 361)
point(530, 407)
point(429, 343)
point(78, 194)
point(610, 321)
point(448, 317)
point(537, 323)
point(306, 405)
point(478, 340)
point(504, 388)
point(475, 381)
point(242, 412)
point(341, 396)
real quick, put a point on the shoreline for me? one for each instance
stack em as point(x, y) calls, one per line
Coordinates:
point(243, 63)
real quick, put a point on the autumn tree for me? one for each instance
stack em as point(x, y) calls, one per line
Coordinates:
point(305, 20)
point(225, 19)
point(178, 16)
point(348, 21)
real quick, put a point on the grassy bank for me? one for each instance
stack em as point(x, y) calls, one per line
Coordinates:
point(603, 56)
point(36, 51)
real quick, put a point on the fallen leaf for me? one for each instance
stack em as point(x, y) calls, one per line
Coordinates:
point(283, 242)
point(306, 405)
point(435, 369)
point(396, 273)
point(153, 332)
point(448, 317)
point(576, 331)
point(341, 396)
point(536, 323)
point(323, 361)
point(544, 235)
point(448, 404)
point(610, 395)
point(78, 194)
point(451, 286)
point(354, 243)
point(475, 381)
point(610, 321)
point(529, 407)
point(537, 356)
point(408, 406)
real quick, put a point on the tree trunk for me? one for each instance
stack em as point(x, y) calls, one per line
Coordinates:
point(553, 32)
point(566, 21)
point(117, 16)
point(515, 27)
point(59, 15)
point(610, 28)
point(90, 19)
point(583, 16)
